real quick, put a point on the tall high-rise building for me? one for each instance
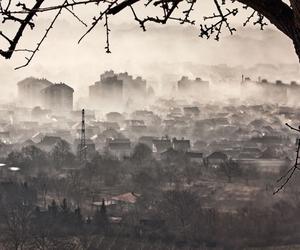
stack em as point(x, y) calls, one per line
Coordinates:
point(58, 98)
point(134, 89)
point(197, 87)
point(29, 91)
point(186, 84)
point(114, 89)
point(265, 91)
point(107, 92)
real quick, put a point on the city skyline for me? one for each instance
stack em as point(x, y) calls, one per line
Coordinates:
point(245, 48)
point(121, 92)
point(182, 137)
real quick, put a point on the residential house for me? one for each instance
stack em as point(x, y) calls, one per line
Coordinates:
point(181, 145)
point(119, 147)
point(160, 145)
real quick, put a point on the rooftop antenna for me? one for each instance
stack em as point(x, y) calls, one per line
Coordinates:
point(82, 149)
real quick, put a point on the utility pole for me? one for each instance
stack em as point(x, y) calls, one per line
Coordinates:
point(83, 147)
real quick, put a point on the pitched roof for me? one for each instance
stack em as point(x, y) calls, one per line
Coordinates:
point(162, 144)
point(49, 140)
point(127, 197)
point(194, 155)
point(58, 86)
point(34, 81)
point(181, 144)
point(217, 156)
point(119, 144)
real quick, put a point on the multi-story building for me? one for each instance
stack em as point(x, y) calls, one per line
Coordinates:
point(29, 91)
point(58, 98)
point(113, 89)
point(263, 90)
point(133, 89)
point(193, 88)
point(294, 93)
point(107, 92)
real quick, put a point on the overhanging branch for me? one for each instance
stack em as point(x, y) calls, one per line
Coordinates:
point(276, 11)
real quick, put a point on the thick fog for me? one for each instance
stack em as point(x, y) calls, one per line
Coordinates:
point(153, 54)
point(169, 142)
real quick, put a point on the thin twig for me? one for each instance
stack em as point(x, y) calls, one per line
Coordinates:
point(289, 174)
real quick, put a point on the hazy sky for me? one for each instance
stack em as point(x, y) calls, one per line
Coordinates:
point(162, 47)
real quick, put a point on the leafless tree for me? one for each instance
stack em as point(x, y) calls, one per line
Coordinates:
point(286, 17)
point(17, 222)
point(287, 176)
point(230, 169)
point(75, 185)
point(179, 208)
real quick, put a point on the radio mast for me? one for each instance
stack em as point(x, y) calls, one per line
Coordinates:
point(83, 147)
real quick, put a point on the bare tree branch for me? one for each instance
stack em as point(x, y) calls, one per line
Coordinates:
point(28, 59)
point(277, 12)
point(289, 174)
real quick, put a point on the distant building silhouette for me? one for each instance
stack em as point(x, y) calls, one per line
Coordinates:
point(190, 87)
point(133, 89)
point(119, 147)
point(58, 98)
point(181, 144)
point(160, 145)
point(29, 91)
point(114, 88)
point(107, 91)
point(294, 93)
point(270, 92)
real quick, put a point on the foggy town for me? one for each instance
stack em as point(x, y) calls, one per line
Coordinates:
point(147, 171)
point(149, 125)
